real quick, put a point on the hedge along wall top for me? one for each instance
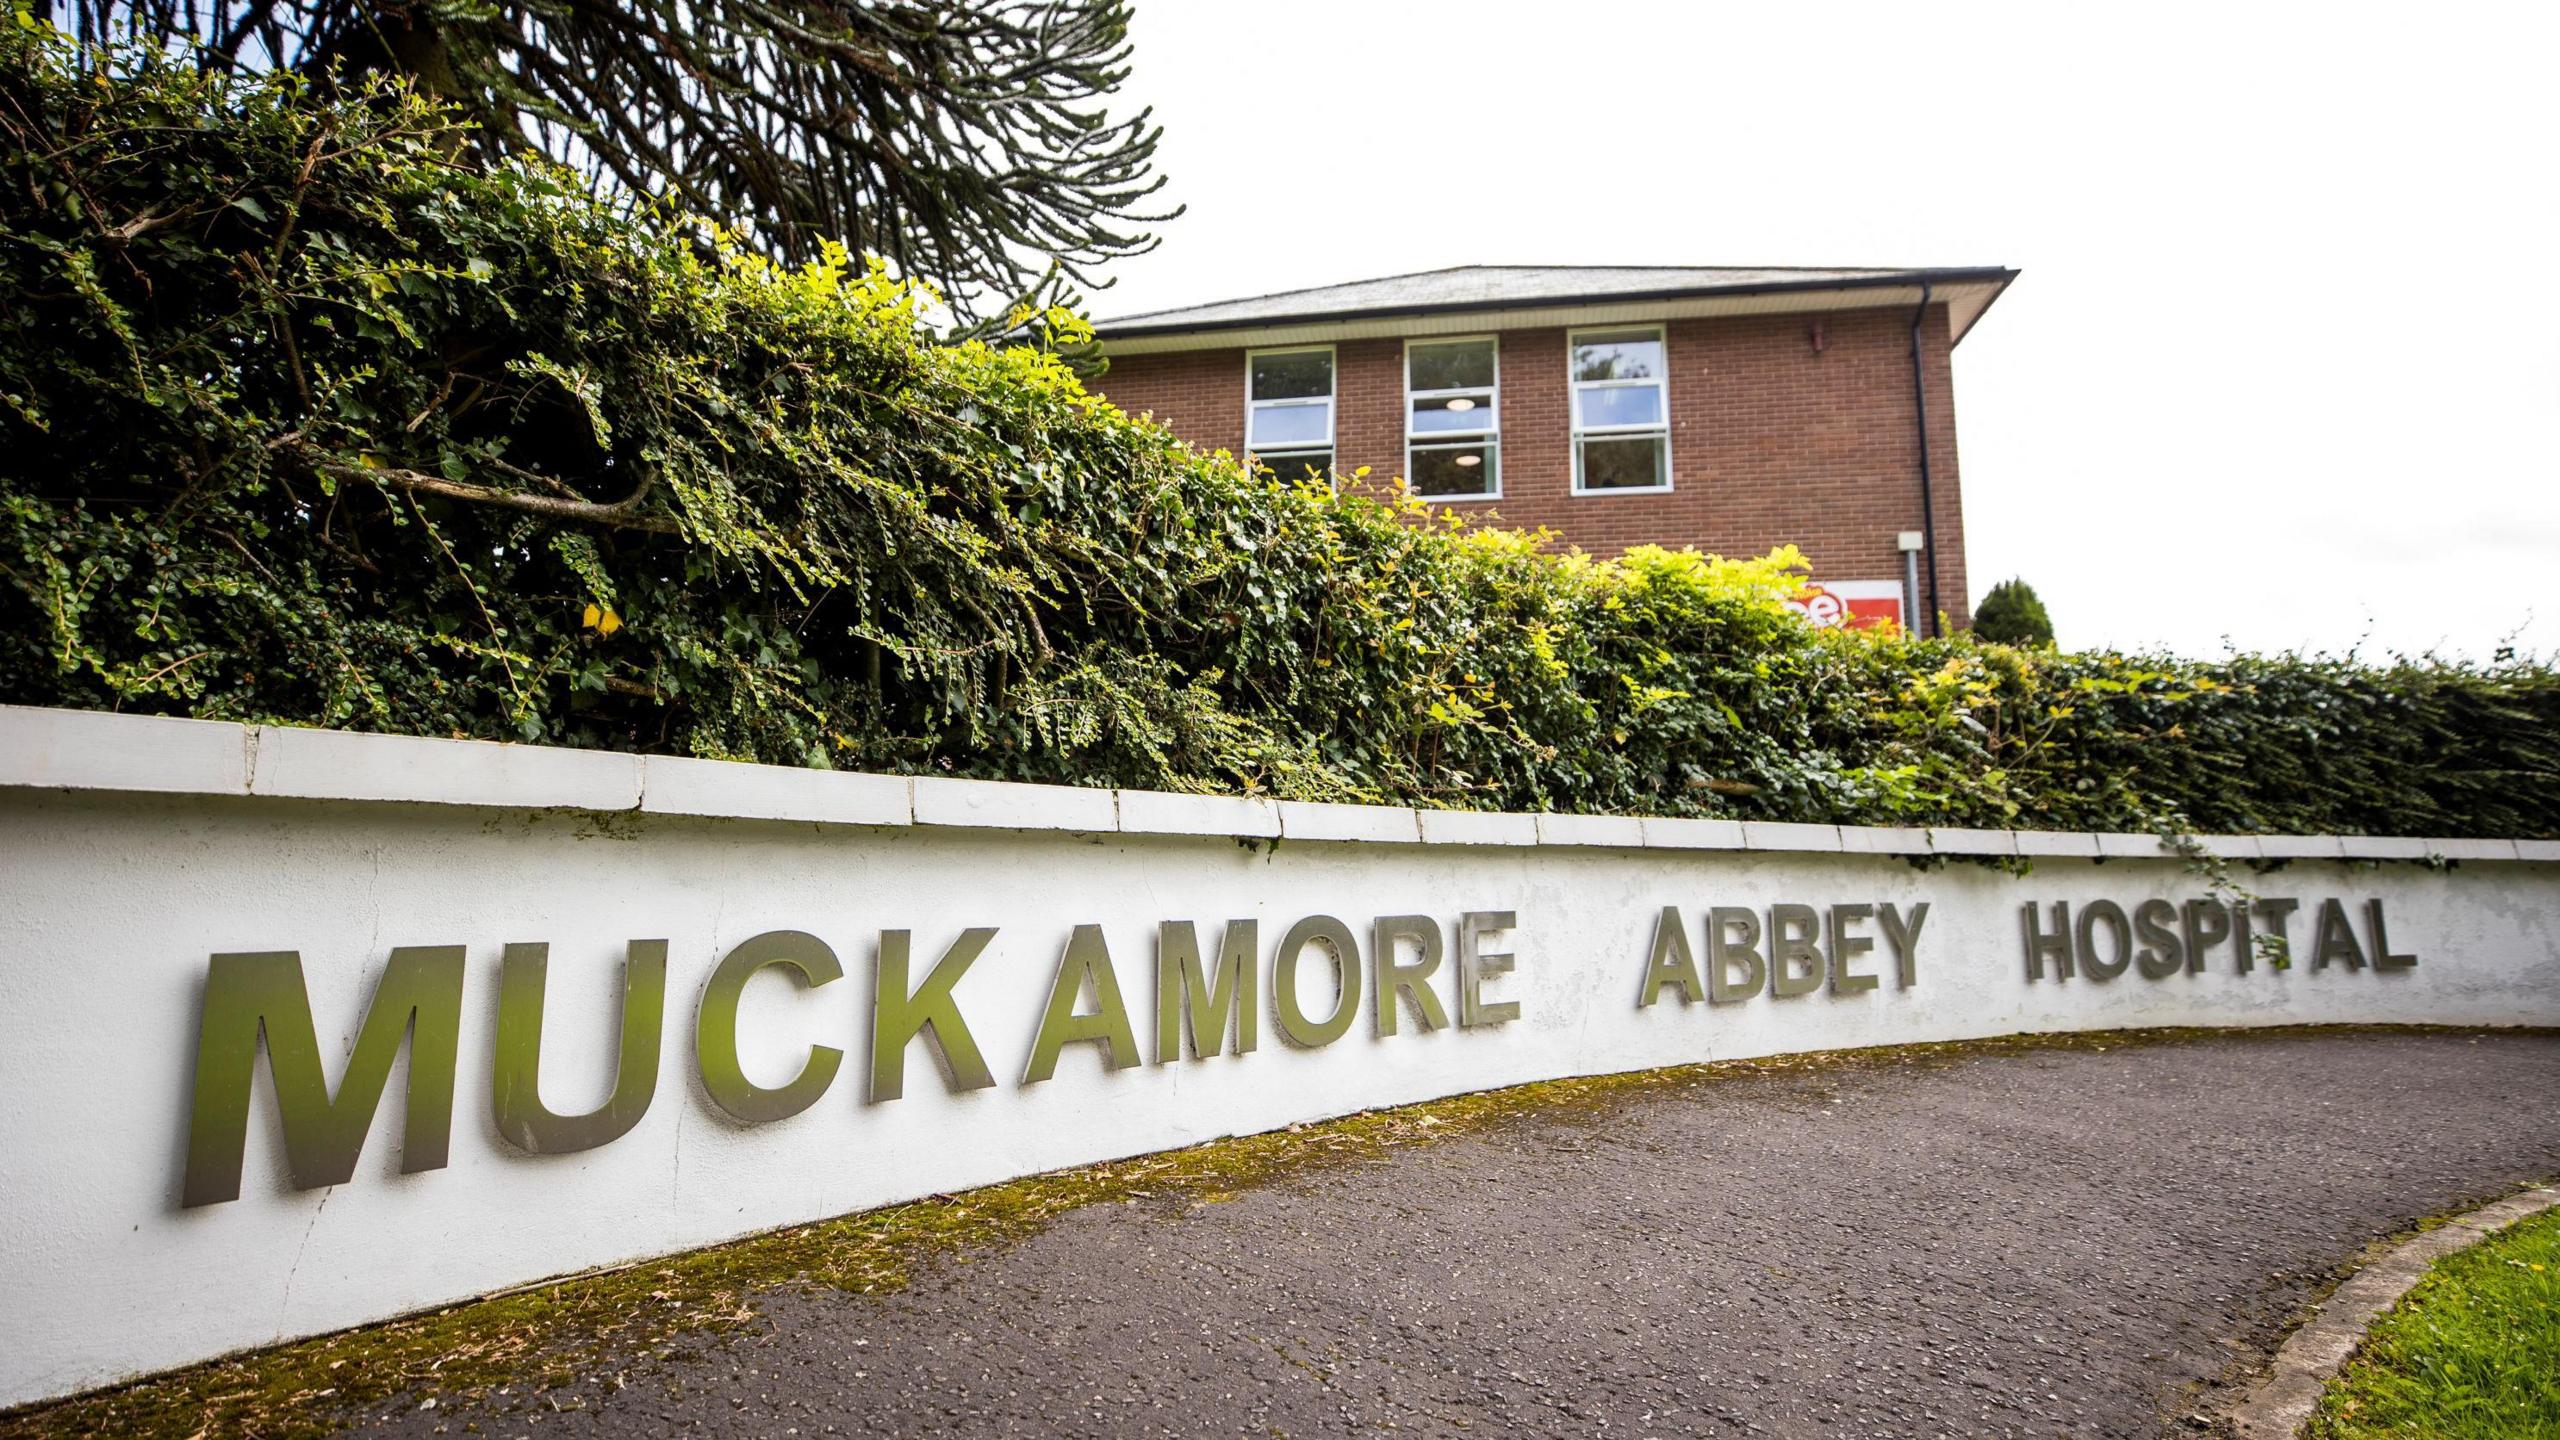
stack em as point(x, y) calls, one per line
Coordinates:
point(306, 424)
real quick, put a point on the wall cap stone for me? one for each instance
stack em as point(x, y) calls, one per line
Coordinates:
point(289, 762)
point(1662, 832)
point(1157, 812)
point(2302, 847)
point(1624, 831)
point(725, 789)
point(70, 750)
point(84, 750)
point(2472, 849)
point(1326, 820)
point(1884, 840)
point(1477, 827)
point(1957, 841)
point(1009, 805)
point(1789, 835)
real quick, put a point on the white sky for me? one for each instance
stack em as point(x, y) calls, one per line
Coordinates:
point(2283, 366)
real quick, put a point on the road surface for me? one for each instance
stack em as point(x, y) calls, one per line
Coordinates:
point(2061, 1242)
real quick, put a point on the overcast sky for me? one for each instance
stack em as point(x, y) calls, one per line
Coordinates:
point(2283, 366)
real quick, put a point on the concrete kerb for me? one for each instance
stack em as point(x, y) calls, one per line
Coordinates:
point(2313, 1355)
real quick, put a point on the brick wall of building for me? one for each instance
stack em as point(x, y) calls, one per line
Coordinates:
point(1772, 440)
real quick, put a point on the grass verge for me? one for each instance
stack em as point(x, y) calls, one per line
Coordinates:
point(2473, 1350)
point(626, 1320)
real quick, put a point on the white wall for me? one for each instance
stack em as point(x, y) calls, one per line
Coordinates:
point(133, 850)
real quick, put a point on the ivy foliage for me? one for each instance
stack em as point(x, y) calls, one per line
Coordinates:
point(304, 418)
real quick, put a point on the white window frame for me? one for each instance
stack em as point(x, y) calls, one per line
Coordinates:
point(1332, 404)
point(1573, 408)
point(1490, 436)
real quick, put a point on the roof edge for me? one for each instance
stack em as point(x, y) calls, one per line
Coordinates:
point(1999, 275)
point(2002, 288)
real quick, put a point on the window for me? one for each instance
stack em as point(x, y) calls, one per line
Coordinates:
point(1453, 427)
point(1621, 413)
point(1288, 421)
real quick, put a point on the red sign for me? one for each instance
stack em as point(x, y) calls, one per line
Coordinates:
point(1851, 604)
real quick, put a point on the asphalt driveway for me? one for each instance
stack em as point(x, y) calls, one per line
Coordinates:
point(2059, 1242)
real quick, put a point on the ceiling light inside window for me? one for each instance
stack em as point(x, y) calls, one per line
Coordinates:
point(1469, 461)
point(1462, 404)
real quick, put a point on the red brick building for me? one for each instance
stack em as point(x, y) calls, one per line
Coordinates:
point(1733, 410)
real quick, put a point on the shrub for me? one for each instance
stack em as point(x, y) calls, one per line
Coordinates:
point(307, 422)
point(2012, 615)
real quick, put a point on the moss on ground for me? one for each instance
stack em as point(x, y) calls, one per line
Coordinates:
point(533, 1339)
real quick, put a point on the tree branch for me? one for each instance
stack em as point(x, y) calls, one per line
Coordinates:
point(622, 514)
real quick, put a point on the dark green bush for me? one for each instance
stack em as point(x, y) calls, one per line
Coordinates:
point(304, 422)
point(2012, 614)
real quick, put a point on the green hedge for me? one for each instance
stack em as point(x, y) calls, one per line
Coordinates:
point(304, 422)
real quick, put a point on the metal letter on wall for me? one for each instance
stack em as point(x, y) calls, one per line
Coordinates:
point(1848, 947)
point(2383, 959)
point(1733, 936)
point(2163, 952)
point(2111, 915)
point(1085, 963)
point(2204, 924)
point(419, 997)
point(1903, 934)
point(715, 1027)
point(1189, 1003)
point(1795, 960)
point(2043, 944)
point(2337, 939)
point(516, 1073)
point(1476, 965)
point(1337, 939)
point(2278, 913)
point(1671, 962)
point(898, 1017)
point(1397, 983)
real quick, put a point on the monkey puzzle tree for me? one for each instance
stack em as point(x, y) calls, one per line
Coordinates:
point(967, 144)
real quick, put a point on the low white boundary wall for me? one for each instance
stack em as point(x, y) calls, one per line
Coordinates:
point(135, 850)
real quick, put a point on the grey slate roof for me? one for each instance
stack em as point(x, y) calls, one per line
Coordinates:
point(1494, 286)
